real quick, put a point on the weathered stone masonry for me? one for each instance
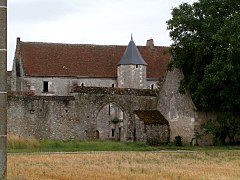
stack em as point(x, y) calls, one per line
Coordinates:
point(84, 114)
point(76, 116)
point(98, 92)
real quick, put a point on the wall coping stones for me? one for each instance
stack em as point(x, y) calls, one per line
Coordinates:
point(112, 91)
point(47, 98)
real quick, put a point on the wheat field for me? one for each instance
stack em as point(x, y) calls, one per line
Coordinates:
point(126, 165)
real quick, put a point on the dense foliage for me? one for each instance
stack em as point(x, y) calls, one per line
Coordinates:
point(225, 125)
point(206, 46)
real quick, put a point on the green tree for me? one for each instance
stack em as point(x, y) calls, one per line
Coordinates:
point(225, 125)
point(206, 46)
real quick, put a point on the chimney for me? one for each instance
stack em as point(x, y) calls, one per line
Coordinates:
point(17, 52)
point(18, 40)
point(150, 43)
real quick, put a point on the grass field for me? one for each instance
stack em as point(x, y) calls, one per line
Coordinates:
point(216, 164)
point(118, 160)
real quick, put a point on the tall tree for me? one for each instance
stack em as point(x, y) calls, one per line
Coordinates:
point(206, 46)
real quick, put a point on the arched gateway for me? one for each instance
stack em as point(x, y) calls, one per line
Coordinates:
point(111, 122)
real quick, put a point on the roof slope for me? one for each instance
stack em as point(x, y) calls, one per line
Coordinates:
point(132, 55)
point(52, 59)
point(151, 117)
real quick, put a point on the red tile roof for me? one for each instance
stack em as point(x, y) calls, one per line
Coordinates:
point(51, 59)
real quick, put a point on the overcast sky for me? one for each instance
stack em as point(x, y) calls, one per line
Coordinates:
point(106, 22)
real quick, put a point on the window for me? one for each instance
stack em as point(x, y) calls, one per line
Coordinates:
point(109, 109)
point(152, 86)
point(112, 85)
point(82, 84)
point(136, 66)
point(45, 86)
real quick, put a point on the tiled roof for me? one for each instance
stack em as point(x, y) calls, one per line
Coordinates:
point(52, 59)
point(151, 117)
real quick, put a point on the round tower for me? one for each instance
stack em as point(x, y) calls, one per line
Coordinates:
point(132, 68)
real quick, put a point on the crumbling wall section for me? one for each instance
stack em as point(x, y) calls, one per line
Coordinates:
point(177, 108)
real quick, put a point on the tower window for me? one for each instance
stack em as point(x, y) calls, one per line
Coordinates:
point(82, 84)
point(45, 86)
point(136, 66)
point(112, 85)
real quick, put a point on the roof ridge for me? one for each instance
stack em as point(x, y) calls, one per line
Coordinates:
point(71, 44)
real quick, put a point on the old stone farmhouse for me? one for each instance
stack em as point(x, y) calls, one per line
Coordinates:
point(52, 69)
point(81, 91)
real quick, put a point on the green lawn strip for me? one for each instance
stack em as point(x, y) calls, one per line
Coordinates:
point(73, 146)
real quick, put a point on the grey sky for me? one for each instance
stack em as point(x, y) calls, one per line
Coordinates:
point(89, 21)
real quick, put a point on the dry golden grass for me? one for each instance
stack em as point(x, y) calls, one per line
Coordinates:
point(126, 165)
point(14, 141)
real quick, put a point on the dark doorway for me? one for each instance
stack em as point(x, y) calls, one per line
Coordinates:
point(119, 134)
point(85, 133)
point(113, 132)
point(97, 134)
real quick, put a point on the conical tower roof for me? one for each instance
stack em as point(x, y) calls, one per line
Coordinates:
point(132, 55)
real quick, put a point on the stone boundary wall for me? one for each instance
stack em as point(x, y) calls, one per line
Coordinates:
point(70, 117)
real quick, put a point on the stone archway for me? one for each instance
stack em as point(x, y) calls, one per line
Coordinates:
point(111, 122)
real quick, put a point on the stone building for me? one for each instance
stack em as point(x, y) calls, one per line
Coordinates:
point(52, 69)
point(80, 91)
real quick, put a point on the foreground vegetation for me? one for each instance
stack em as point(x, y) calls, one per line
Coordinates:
point(31, 144)
point(126, 165)
point(118, 160)
point(18, 144)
